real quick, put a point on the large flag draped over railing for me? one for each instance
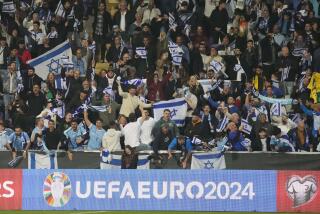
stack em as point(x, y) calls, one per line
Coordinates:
point(51, 61)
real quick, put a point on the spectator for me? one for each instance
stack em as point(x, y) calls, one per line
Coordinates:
point(96, 132)
point(129, 158)
point(130, 100)
point(184, 145)
point(75, 136)
point(165, 120)
point(19, 142)
point(111, 138)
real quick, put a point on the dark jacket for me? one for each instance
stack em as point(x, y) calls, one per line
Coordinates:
point(219, 19)
point(256, 145)
point(129, 19)
point(129, 162)
point(107, 23)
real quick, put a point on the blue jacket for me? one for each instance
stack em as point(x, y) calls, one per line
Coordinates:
point(187, 146)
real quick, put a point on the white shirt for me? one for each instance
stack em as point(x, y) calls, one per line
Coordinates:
point(146, 128)
point(123, 21)
point(131, 134)
point(11, 83)
point(264, 144)
point(111, 140)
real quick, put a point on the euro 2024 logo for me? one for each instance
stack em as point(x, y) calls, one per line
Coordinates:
point(301, 190)
point(57, 189)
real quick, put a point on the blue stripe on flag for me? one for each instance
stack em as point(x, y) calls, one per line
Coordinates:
point(168, 105)
point(33, 160)
point(54, 53)
point(209, 156)
point(117, 162)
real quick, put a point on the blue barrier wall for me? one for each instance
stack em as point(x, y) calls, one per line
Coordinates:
point(192, 190)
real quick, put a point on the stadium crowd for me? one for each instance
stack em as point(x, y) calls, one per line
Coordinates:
point(261, 58)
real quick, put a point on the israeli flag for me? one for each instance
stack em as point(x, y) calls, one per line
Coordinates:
point(60, 83)
point(178, 110)
point(15, 162)
point(51, 62)
point(208, 161)
point(59, 111)
point(60, 10)
point(187, 30)
point(215, 66)
point(8, 7)
point(176, 53)
point(298, 52)
point(42, 161)
point(275, 109)
point(110, 161)
point(141, 52)
point(222, 124)
point(66, 61)
point(206, 85)
point(246, 128)
point(196, 141)
point(135, 82)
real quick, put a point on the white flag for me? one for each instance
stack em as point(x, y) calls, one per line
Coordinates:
point(208, 161)
point(51, 61)
point(114, 161)
point(178, 110)
point(42, 161)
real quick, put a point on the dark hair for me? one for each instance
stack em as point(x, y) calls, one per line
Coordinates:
point(166, 110)
point(132, 117)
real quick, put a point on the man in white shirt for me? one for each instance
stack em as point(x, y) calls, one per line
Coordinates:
point(145, 136)
point(131, 132)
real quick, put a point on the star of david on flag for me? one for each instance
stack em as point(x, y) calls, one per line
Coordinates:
point(51, 61)
point(214, 160)
point(54, 66)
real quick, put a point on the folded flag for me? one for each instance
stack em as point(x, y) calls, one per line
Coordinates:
point(141, 52)
point(51, 61)
point(177, 107)
point(111, 161)
point(208, 161)
point(246, 128)
point(42, 161)
point(8, 7)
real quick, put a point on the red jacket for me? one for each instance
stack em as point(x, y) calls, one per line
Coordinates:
point(24, 57)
